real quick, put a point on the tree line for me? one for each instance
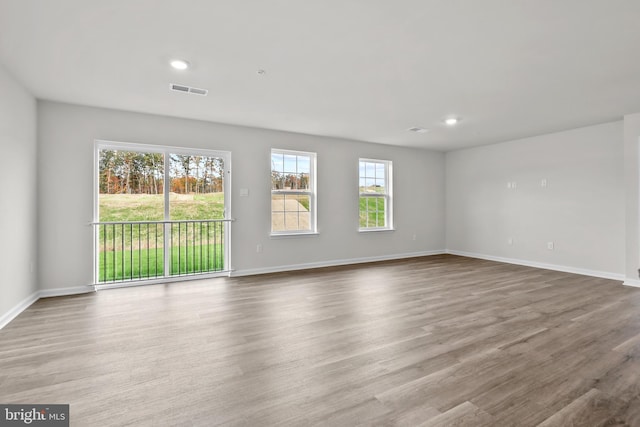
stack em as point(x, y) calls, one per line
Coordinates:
point(289, 181)
point(130, 172)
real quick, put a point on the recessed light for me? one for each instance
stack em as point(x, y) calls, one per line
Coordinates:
point(417, 129)
point(261, 72)
point(179, 64)
point(451, 121)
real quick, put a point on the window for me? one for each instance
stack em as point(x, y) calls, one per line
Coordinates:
point(375, 195)
point(293, 194)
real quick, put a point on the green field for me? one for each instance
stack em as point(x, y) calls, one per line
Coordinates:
point(149, 263)
point(150, 207)
point(372, 212)
point(136, 251)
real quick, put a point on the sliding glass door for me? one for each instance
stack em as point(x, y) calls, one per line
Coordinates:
point(160, 212)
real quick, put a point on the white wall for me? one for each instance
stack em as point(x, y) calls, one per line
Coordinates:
point(632, 181)
point(66, 136)
point(18, 225)
point(581, 210)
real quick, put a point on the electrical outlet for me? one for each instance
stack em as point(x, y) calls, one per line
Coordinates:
point(543, 183)
point(550, 246)
point(258, 248)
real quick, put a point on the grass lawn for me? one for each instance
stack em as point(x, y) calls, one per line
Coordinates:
point(149, 263)
point(150, 207)
point(135, 251)
point(372, 212)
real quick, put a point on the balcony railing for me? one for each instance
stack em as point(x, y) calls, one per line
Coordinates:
point(147, 250)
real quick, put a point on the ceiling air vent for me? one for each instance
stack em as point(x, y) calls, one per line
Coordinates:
point(197, 91)
point(179, 88)
point(187, 89)
point(418, 130)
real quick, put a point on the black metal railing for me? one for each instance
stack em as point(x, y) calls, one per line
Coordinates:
point(145, 250)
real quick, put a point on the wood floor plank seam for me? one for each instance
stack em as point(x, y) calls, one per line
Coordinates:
point(437, 340)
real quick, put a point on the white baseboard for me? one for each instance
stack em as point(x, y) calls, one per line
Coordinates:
point(565, 269)
point(19, 308)
point(59, 292)
point(632, 282)
point(44, 293)
point(331, 263)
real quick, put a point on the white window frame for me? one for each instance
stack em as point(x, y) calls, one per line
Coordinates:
point(387, 195)
point(312, 193)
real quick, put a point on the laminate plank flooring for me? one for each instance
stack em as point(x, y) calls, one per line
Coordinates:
point(431, 341)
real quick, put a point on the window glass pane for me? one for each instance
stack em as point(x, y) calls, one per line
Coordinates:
point(304, 164)
point(290, 164)
point(379, 214)
point(131, 186)
point(277, 202)
point(373, 212)
point(290, 212)
point(277, 180)
point(277, 162)
point(363, 212)
point(304, 220)
point(370, 170)
point(372, 177)
point(369, 185)
point(196, 187)
point(362, 184)
point(290, 181)
point(277, 221)
point(290, 177)
point(305, 181)
point(277, 177)
point(303, 202)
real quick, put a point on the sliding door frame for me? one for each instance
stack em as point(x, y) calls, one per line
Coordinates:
point(165, 151)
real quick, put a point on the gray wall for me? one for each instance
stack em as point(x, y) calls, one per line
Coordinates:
point(18, 199)
point(66, 136)
point(632, 181)
point(581, 209)
point(592, 174)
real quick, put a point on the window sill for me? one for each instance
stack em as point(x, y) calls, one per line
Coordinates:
point(288, 235)
point(374, 230)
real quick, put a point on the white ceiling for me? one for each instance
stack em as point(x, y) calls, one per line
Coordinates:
point(359, 69)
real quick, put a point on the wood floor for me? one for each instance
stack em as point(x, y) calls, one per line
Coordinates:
point(433, 341)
